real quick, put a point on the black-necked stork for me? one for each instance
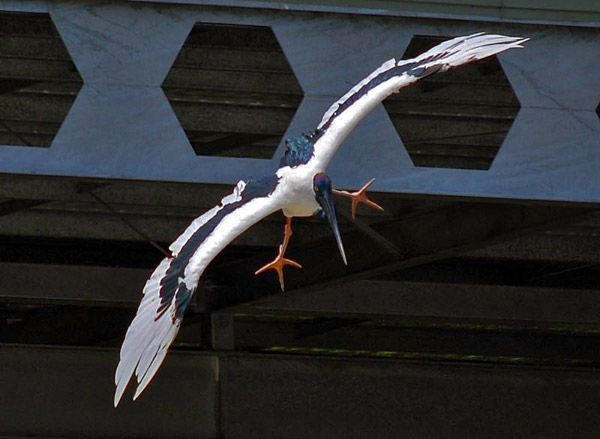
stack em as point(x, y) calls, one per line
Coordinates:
point(299, 187)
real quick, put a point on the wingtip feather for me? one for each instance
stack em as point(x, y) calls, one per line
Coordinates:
point(146, 337)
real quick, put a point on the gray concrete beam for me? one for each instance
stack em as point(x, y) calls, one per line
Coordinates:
point(300, 397)
point(68, 392)
point(493, 302)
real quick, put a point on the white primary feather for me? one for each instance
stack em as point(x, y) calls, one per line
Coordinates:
point(151, 334)
point(452, 53)
point(142, 330)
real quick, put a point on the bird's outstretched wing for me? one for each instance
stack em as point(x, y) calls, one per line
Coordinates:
point(339, 120)
point(170, 288)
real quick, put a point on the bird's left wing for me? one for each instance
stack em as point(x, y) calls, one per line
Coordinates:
point(170, 288)
point(339, 120)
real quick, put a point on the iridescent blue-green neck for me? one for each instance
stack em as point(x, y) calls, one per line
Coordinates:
point(299, 150)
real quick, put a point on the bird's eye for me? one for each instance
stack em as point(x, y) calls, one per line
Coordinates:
point(317, 188)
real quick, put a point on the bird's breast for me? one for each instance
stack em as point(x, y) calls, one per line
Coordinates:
point(301, 208)
point(297, 185)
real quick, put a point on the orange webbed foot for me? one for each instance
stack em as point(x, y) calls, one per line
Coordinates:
point(279, 262)
point(358, 197)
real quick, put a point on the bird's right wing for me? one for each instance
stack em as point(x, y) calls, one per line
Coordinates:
point(343, 115)
point(169, 289)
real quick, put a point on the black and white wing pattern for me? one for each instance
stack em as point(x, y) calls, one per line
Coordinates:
point(170, 288)
point(339, 120)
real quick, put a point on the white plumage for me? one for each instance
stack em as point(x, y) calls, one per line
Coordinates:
point(446, 55)
point(168, 291)
point(151, 332)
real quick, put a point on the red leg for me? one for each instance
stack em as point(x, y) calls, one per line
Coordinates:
point(279, 262)
point(358, 197)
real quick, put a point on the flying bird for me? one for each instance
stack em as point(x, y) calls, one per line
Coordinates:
point(299, 187)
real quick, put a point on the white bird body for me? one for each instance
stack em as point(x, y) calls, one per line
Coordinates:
point(296, 189)
point(293, 189)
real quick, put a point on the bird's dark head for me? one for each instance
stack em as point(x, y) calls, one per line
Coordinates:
point(322, 184)
point(324, 196)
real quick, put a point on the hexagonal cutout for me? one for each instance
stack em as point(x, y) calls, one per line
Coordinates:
point(233, 90)
point(38, 79)
point(457, 119)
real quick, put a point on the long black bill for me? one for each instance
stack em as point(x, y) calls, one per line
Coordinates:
point(326, 202)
